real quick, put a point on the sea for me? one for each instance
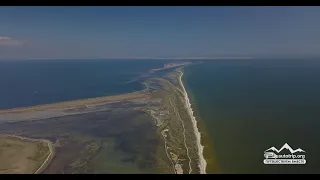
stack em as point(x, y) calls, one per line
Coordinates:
point(249, 106)
point(244, 106)
point(34, 82)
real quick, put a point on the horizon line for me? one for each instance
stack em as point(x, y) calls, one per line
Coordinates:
point(173, 58)
point(160, 58)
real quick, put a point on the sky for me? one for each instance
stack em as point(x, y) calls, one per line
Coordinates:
point(115, 32)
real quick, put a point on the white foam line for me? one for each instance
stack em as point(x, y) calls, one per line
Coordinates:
point(202, 162)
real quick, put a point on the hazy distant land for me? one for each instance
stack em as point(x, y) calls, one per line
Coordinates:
point(170, 65)
point(149, 131)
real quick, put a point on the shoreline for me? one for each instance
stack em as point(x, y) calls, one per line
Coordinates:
point(78, 102)
point(49, 158)
point(202, 162)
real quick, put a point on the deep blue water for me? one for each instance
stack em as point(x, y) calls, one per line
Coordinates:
point(249, 106)
point(34, 82)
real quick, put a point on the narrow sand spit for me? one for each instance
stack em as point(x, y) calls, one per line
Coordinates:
point(202, 162)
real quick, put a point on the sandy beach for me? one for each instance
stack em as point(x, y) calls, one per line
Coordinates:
point(202, 162)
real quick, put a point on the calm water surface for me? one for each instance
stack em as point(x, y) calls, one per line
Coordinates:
point(249, 106)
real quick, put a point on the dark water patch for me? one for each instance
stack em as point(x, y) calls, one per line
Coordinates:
point(123, 134)
point(64, 156)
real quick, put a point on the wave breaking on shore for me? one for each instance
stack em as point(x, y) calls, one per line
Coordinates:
point(202, 162)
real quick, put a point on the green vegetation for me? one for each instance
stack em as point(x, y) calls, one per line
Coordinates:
point(175, 126)
point(23, 156)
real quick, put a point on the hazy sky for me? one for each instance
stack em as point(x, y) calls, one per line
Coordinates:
point(99, 32)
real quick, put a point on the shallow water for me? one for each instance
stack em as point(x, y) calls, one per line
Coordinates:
point(96, 142)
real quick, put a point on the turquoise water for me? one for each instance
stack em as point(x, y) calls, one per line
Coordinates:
point(248, 106)
point(34, 82)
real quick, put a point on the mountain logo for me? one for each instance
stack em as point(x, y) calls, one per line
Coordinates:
point(285, 146)
point(274, 156)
